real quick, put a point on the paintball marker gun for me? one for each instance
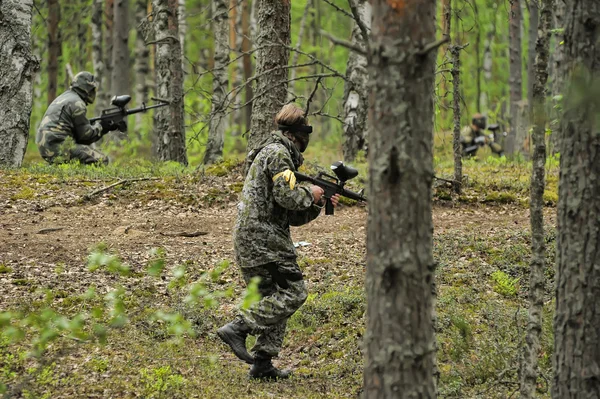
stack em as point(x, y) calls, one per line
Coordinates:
point(482, 140)
point(117, 115)
point(335, 184)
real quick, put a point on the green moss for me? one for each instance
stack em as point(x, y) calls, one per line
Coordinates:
point(25, 193)
point(5, 269)
point(222, 168)
point(502, 197)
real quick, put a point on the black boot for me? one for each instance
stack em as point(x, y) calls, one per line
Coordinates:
point(263, 369)
point(234, 334)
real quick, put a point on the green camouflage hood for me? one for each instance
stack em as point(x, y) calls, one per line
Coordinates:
point(85, 85)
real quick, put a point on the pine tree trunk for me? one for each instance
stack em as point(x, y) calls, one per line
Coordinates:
point(534, 20)
point(456, 146)
point(120, 71)
point(557, 66)
point(529, 365)
point(271, 85)
point(142, 59)
point(169, 142)
point(399, 341)
point(108, 48)
point(97, 58)
point(356, 99)
point(247, 62)
point(516, 79)
point(576, 358)
point(218, 117)
point(54, 47)
point(18, 67)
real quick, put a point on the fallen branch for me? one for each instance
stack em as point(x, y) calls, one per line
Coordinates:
point(183, 233)
point(49, 230)
point(88, 196)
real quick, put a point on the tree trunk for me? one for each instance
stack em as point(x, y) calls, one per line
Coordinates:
point(557, 66)
point(169, 143)
point(516, 78)
point(271, 85)
point(54, 47)
point(456, 146)
point(236, 67)
point(247, 61)
point(97, 59)
point(577, 319)
point(108, 57)
point(218, 118)
point(182, 17)
point(142, 59)
point(534, 19)
point(356, 99)
point(82, 44)
point(299, 44)
point(477, 57)
point(18, 67)
point(120, 71)
point(487, 64)
point(399, 340)
point(529, 366)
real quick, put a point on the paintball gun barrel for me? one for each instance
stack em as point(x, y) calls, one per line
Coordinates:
point(334, 184)
point(119, 112)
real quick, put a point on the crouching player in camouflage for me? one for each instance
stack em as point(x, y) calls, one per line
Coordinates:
point(271, 201)
point(65, 133)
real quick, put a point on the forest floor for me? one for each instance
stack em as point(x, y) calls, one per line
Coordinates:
point(48, 228)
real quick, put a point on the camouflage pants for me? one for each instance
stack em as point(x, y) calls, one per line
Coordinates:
point(283, 292)
point(84, 153)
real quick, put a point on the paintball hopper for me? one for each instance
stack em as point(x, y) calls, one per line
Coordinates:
point(120, 101)
point(343, 172)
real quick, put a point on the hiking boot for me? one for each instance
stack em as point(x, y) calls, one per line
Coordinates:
point(234, 334)
point(263, 369)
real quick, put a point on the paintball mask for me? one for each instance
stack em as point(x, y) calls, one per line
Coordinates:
point(85, 85)
point(479, 121)
point(300, 132)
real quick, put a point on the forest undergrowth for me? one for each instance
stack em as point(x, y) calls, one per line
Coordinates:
point(164, 228)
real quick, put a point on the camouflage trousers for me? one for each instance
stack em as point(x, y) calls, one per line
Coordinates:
point(84, 153)
point(283, 292)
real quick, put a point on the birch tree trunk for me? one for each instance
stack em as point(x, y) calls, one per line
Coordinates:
point(534, 20)
point(271, 85)
point(182, 17)
point(456, 146)
point(120, 57)
point(142, 59)
point(557, 66)
point(299, 44)
point(247, 61)
point(576, 358)
point(18, 67)
point(218, 118)
point(236, 67)
point(97, 58)
point(356, 98)
point(399, 340)
point(54, 47)
point(169, 142)
point(516, 79)
point(529, 366)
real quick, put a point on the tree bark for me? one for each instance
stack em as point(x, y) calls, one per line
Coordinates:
point(576, 358)
point(169, 143)
point(529, 365)
point(534, 20)
point(356, 100)
point(271, 85)
point(516, 79)
point(18, 67)
point(299, 43)
point(97, 58)
point(108, 57)
point(142, 60)
point(247, 61)
point(557, 66)
point(218, 118)
point(182, 17)
point(487, 63)
point(120, 57)
point(399, 340)
point(456, 146)
point(54, 47)
point(236, 67)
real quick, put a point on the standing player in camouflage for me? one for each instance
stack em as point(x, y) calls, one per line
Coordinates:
point(65, 133)
point(271, 201)
point(471, 137)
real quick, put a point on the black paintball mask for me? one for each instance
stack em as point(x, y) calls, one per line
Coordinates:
point(300, 132)
point(479, 121)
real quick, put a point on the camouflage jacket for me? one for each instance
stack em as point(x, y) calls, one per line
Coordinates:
point(270, 203)
point(64, 118)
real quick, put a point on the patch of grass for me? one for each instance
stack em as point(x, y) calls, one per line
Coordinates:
point(5, 269)
point(504, 284)
point(26, 193)
point(161, 382)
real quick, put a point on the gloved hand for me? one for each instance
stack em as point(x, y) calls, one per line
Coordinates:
point(481, 140)
point(107, 125)
point(122, 126)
